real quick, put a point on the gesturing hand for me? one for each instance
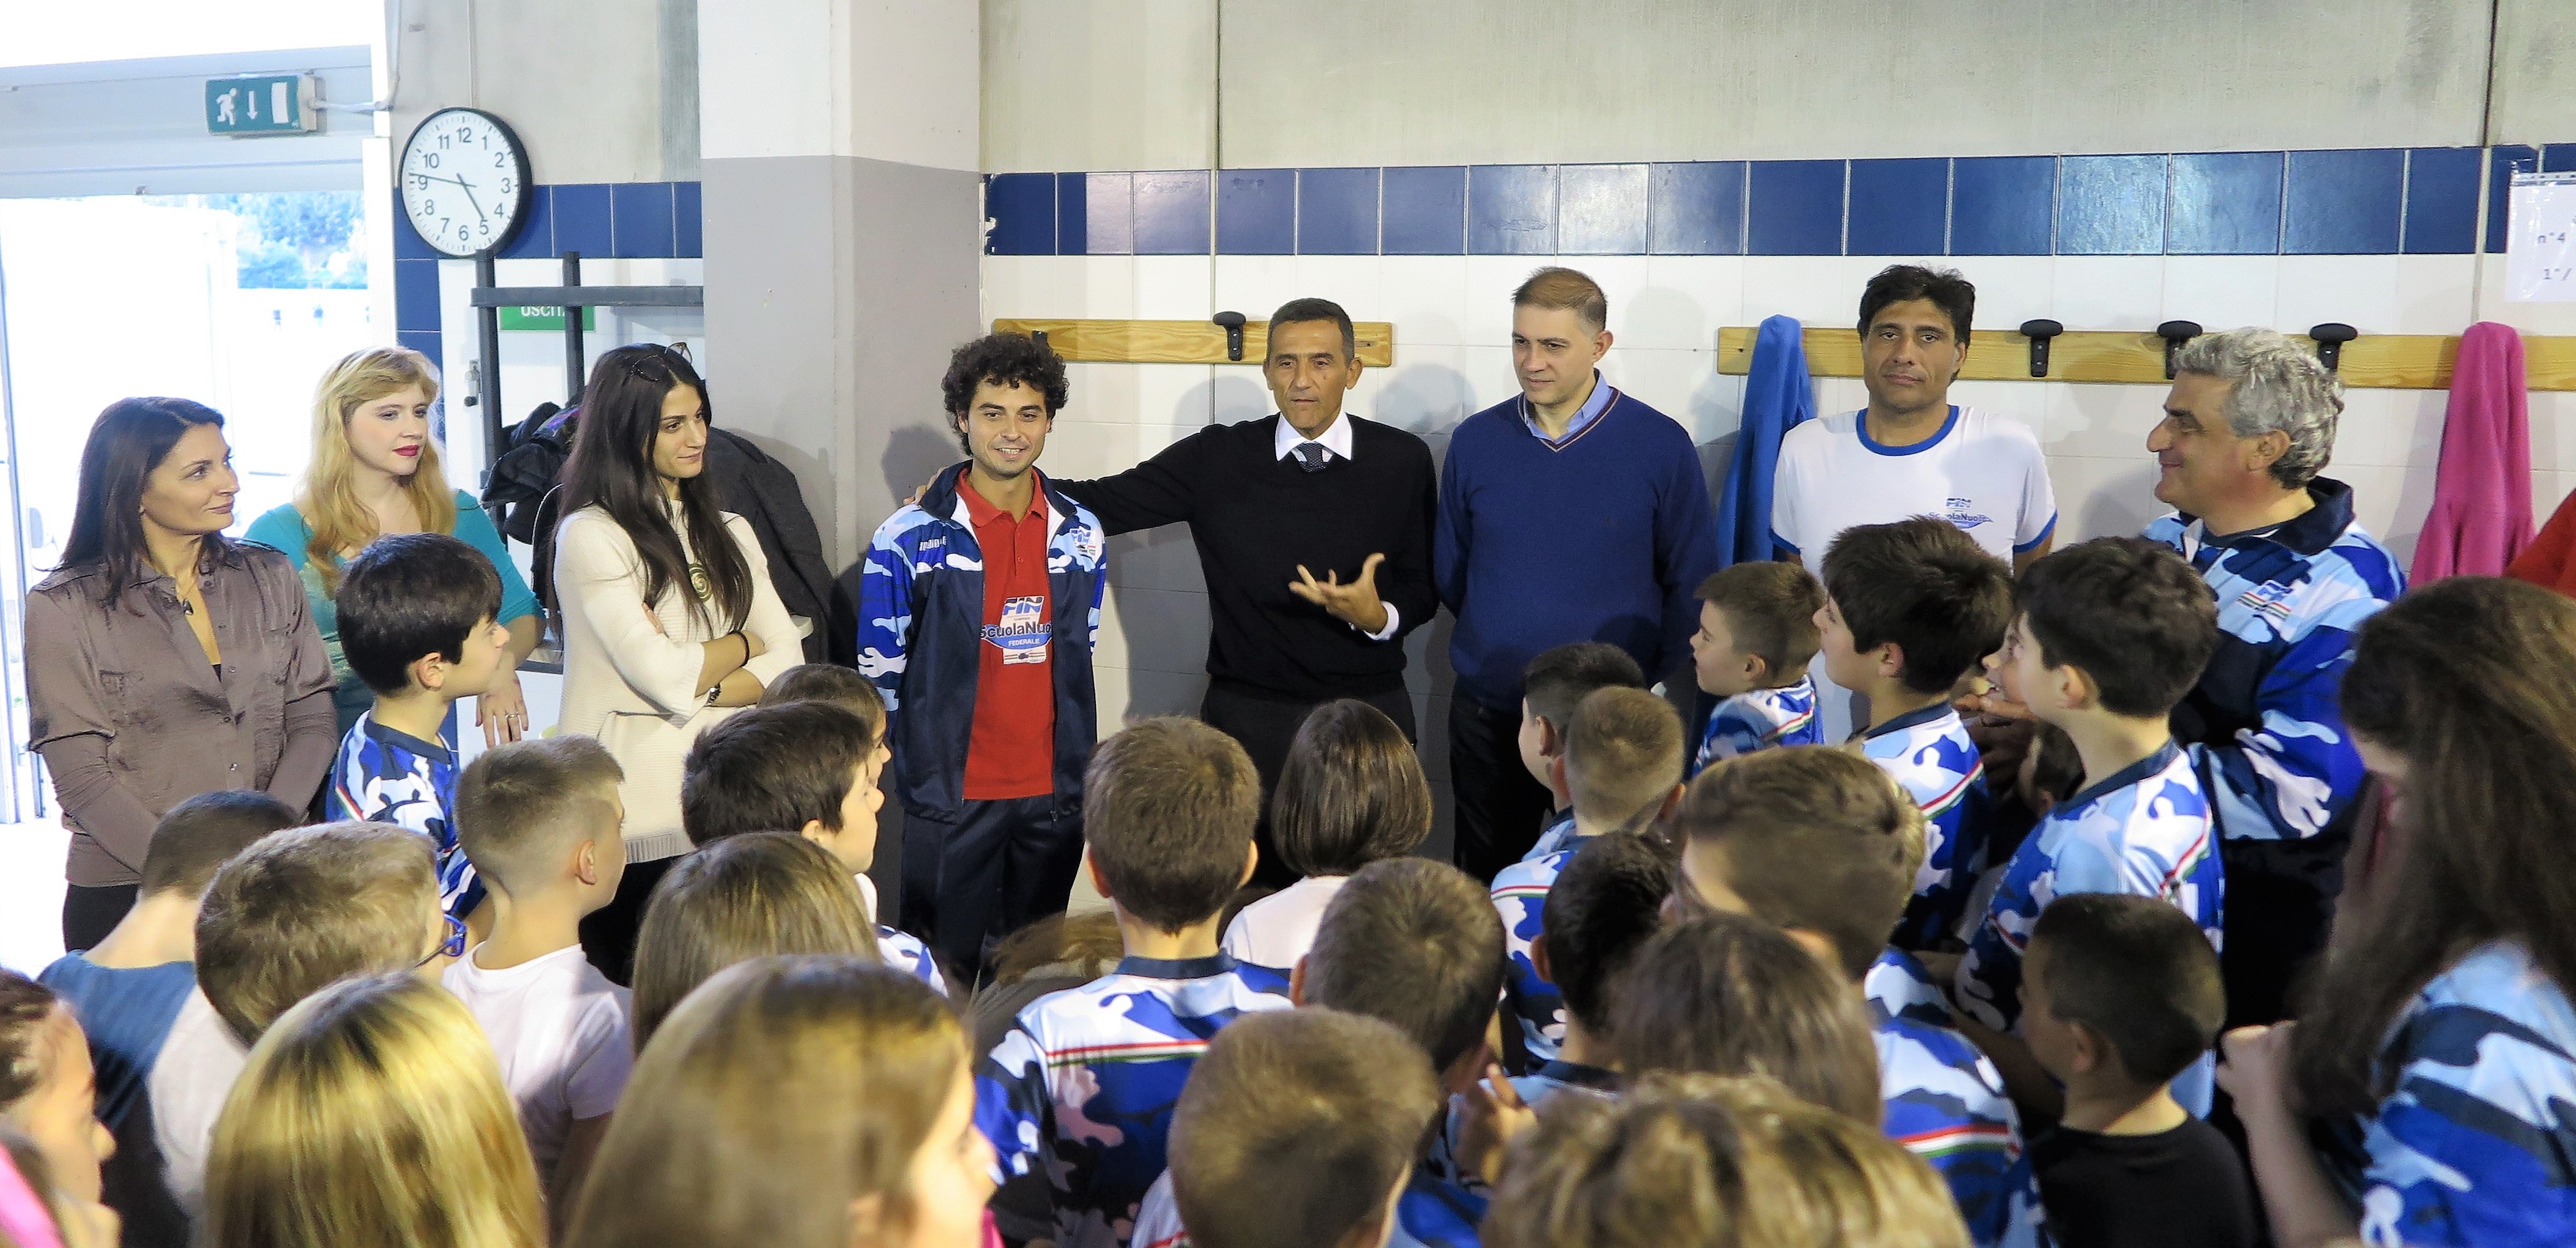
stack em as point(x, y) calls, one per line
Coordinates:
point(1356, 604)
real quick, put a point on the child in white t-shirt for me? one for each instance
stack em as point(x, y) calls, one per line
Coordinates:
point(1351, 793)
point(539, 820)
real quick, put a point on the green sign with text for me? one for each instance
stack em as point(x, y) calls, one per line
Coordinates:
point(263, 104)
point(546, 318)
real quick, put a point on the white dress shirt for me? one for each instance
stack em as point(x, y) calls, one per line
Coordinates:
point(1336, 440)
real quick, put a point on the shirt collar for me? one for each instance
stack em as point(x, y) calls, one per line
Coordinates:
point(1603, 394)
point(980, 513)
point(2126, 776)
point(1169, 968)
point(1578, 1075)
point(1335, 438)
point(2308, 533)
point(1910, 719)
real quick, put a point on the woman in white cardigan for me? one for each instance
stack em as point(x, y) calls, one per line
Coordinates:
point(669, 620)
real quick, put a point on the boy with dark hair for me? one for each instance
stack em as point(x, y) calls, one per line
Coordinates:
point(1622, 768)
point(540, 820)
point(810, 768)
point(128, 991)
point(1757, 633)
point(1910, 609)
point(281, 919)
point(978, 608)
point(2121, 994)
point(2111, 634)
point(1552, 685)
point(1410, 941)
point(828, 682)
point(1825, 846)
point(1168, 806)
point(1604, 906)
point(1296, 1130)
point(418, 623)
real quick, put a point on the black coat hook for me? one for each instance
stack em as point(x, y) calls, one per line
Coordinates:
point(2330, 339)
point(2039, 332)
point(2176, 333)
point(1233, 323)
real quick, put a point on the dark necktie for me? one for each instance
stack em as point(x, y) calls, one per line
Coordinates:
point(1312, 456)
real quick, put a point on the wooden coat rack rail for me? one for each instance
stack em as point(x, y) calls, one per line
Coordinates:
point(1179, 342)
point(2375, 361)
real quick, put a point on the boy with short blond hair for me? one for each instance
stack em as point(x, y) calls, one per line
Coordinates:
point(295, 911)
point(1910, 610)
point(1168, 806)
point(1757, 633)
point(418, 623)
point(2110, 635)
point(1824, 845)
point(540, 821)
point(1297, 1130)
point(1622, 767)
point(1411, 942)
point(1552, 685)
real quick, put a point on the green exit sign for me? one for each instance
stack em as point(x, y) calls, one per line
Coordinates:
point(546, 318)
point(263, 104)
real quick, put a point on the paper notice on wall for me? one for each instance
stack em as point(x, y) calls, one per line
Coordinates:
point(2540, 258)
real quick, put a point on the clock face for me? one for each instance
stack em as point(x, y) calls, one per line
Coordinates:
point(464, 181)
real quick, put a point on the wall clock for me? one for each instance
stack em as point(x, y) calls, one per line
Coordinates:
point(464, 181)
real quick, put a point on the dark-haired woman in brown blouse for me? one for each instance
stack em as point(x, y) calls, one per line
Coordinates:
point(163, 660)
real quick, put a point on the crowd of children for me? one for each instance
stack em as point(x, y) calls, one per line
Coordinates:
point(1749, 987)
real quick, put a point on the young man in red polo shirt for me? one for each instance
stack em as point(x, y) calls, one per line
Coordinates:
point(978, 606)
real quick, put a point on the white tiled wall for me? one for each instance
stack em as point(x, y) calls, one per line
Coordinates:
point(1452, 328)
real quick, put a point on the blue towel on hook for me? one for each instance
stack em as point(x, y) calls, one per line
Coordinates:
point(1778, 397)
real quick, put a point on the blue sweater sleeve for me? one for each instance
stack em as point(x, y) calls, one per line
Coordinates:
point(1449, 533)
point(474, 528)
point(1685, 552)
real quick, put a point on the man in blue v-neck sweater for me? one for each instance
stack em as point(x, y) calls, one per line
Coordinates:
point(1573, 512)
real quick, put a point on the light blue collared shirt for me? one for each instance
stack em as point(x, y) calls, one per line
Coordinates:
point(1603, 395)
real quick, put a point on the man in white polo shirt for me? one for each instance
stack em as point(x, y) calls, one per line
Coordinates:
point(1911, 452)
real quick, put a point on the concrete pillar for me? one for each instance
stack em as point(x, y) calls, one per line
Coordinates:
point(839, 150)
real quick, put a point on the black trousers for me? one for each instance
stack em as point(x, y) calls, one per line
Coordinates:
point(997, 867)
point(2280, 909)
point(1500, 809)
point(90, 913)
point(1265, 725)
point(608, 933)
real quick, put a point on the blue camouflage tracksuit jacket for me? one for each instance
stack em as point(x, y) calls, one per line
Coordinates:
point(2264, 724)
point(921, 621)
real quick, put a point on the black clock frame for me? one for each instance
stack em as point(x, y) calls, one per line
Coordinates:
point(518, 151)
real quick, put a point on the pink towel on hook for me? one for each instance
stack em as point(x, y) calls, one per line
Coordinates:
point(2481, 513)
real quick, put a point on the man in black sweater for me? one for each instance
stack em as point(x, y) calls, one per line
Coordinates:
point(1313, 531)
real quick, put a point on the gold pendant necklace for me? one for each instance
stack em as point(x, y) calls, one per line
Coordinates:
point(700, 583)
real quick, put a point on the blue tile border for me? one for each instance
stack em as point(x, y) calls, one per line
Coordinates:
point(1424, 211)
point(1511, 210)
point(2223, 204)
point(1695, 208)
point(2340, 201)
point(1795, 207)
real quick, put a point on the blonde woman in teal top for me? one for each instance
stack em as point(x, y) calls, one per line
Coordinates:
point(375, 471)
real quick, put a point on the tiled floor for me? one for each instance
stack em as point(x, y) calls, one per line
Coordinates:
point(31, 894)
